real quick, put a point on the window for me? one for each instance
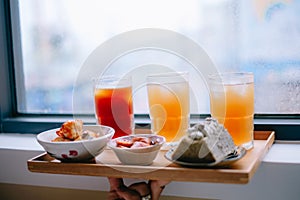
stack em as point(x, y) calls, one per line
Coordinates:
point(52, 40)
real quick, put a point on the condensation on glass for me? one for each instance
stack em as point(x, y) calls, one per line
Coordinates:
point(258, 36)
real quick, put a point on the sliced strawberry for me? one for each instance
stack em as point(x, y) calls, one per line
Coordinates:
point(124, 143)
point(142, 139)
point(123, 147)
point(138, 144)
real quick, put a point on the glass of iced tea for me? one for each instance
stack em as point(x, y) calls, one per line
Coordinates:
point(113, 104)
point(232, 104)
point(168, 99)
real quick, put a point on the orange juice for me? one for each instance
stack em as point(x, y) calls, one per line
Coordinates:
point(169, 109)
point(234, 107)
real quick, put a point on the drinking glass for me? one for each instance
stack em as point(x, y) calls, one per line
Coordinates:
point(232, 104)
point(169, 106)
point(113, 104)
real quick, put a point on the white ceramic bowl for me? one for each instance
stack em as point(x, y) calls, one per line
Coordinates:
point(73, 151)
point(137, 156)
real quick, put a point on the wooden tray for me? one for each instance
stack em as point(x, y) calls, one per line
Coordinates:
point(239, 172)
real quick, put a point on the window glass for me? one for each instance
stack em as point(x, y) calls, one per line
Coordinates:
point(260, 36)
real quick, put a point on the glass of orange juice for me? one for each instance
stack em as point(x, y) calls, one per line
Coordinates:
point(113, 104)
point(168, 99)
point(232, 104)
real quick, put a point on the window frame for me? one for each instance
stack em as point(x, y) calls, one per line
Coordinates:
point(286, 127)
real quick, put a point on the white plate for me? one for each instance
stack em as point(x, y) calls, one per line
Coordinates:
point(238, 154)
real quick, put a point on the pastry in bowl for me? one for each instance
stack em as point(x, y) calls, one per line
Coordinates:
point(75, 146)
point(70, 130)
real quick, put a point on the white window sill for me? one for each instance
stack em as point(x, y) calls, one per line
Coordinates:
point(278, 176)
point(280, 152)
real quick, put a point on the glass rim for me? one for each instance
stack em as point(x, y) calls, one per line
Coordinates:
point(168, 74)
point(230, 74)
point(167, 78)
point(112, 81)
point(112, 77)
point(232, 77)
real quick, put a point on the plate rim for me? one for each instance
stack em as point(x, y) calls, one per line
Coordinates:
point(241, 153)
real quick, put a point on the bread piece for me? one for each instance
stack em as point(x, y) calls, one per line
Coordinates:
point(71, 129)
point(204, 143)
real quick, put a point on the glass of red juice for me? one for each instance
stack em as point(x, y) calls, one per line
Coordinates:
point(113, 104)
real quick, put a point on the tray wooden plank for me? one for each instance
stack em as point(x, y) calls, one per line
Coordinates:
point(107, 165)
